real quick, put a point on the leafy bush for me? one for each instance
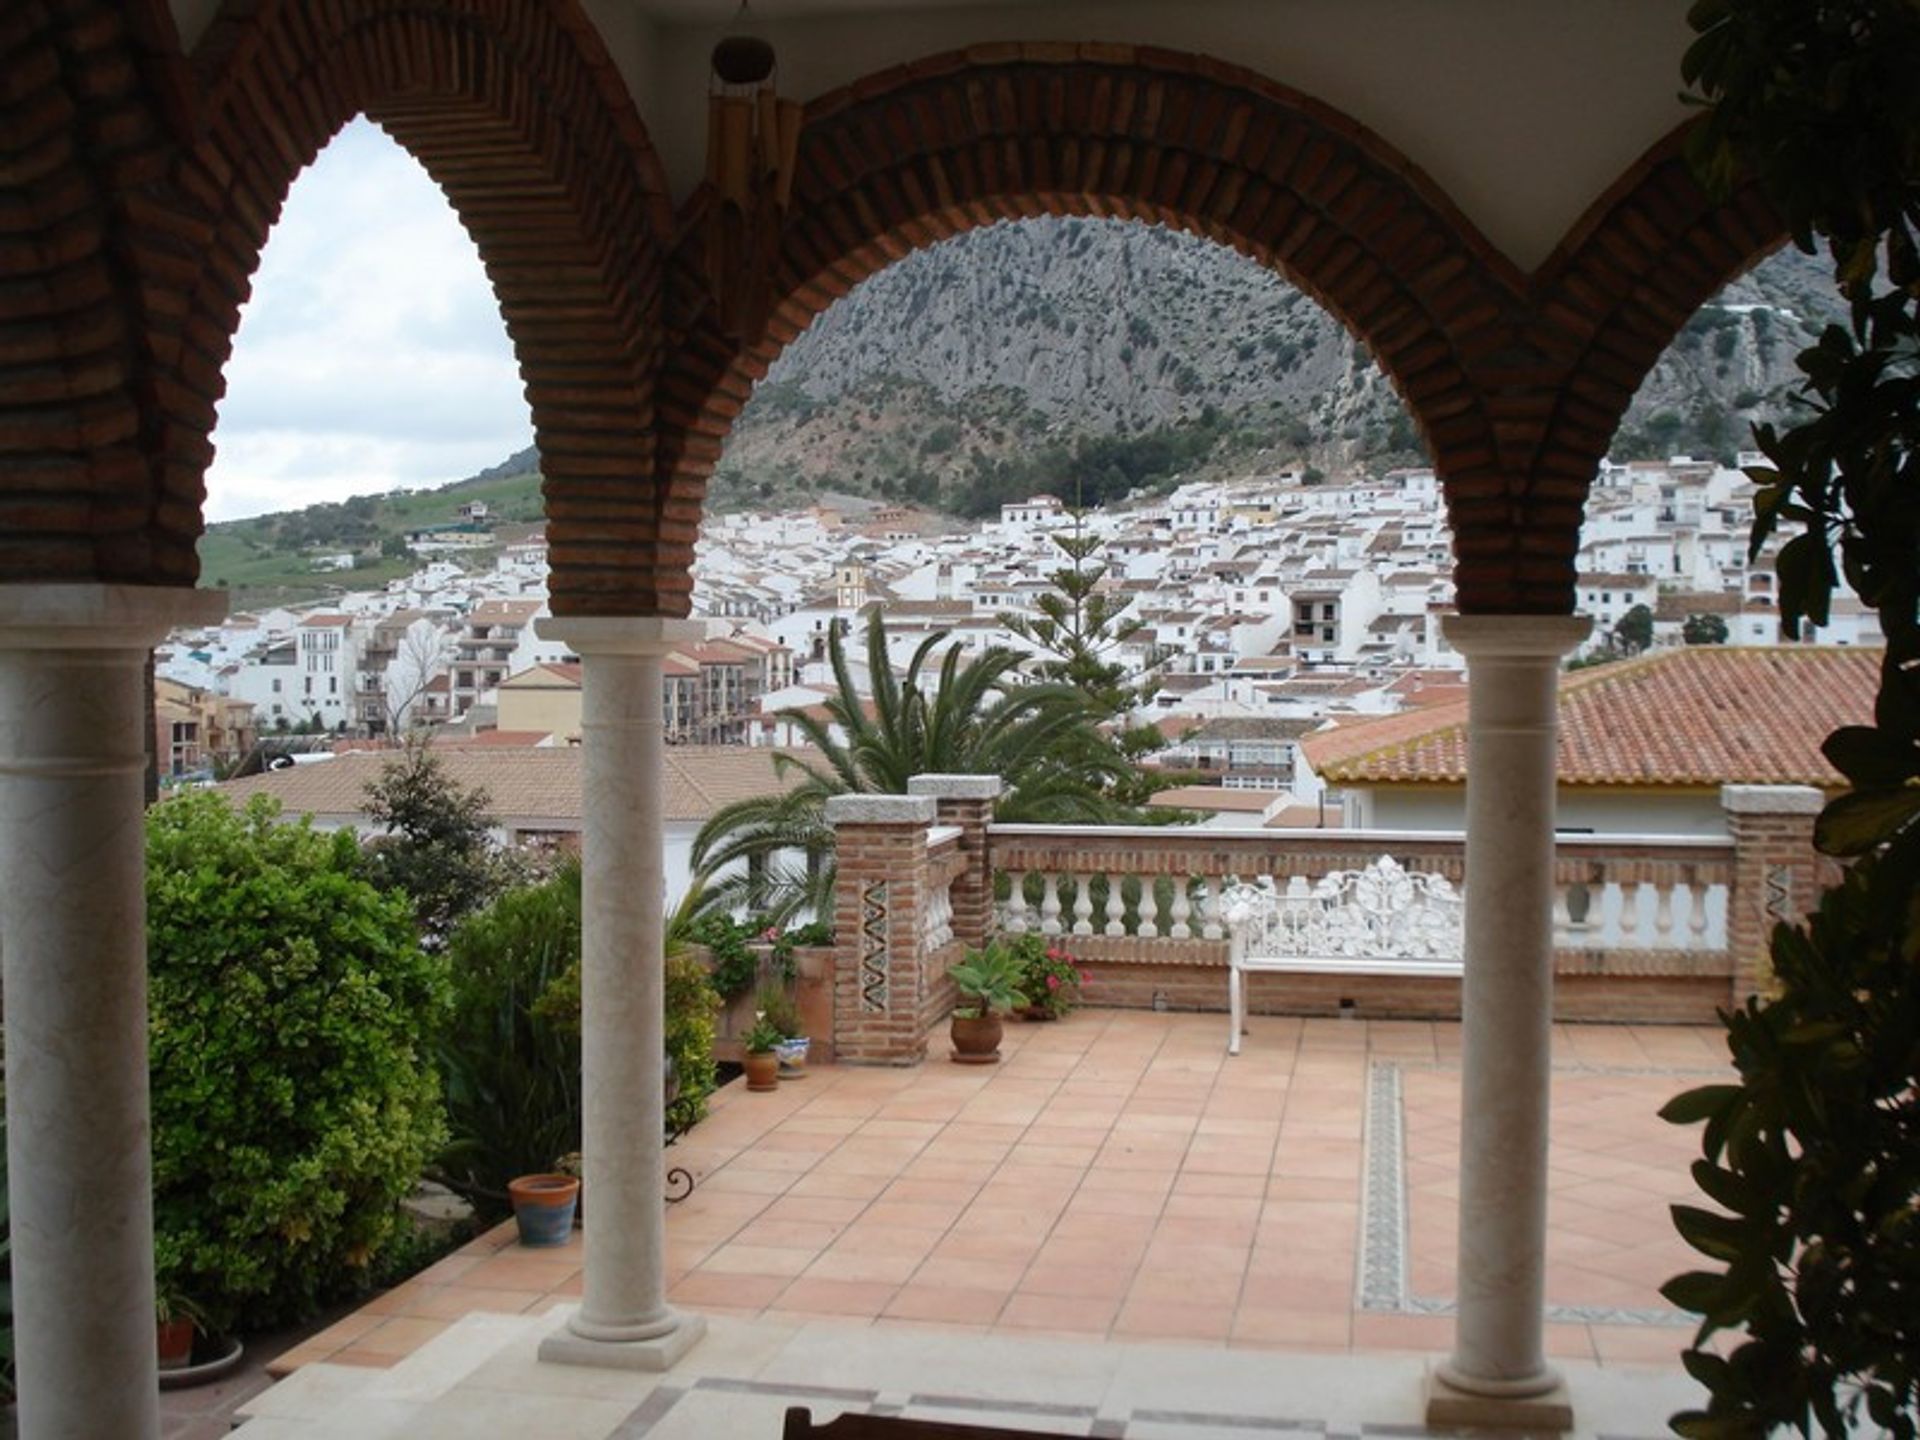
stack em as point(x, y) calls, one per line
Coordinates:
point(439, 850)
point(293, 1102)
point(512, 1051)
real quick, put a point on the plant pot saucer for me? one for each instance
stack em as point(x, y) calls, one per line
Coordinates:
point(991, 1059)
point(223, 1354)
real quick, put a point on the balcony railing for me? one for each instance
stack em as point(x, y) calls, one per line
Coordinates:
point(1623, 904)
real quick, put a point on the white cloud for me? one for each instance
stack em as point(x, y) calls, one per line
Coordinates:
point(372, 352)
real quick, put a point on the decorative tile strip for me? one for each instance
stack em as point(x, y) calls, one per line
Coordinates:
point(873, 948)
point(1383, 1254)
point(1382, 1279)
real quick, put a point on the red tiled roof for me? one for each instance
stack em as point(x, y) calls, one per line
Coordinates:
point(1703, 715)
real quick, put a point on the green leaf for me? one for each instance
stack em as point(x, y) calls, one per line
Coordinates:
point(1699, 1291)
point(1719, 1237)
point(1863, 819)
point(1690, 1107)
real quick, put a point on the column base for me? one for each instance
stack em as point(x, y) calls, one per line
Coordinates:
point(1545, 1405)
point(655, 1354)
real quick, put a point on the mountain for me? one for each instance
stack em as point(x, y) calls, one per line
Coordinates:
point(1050, 353)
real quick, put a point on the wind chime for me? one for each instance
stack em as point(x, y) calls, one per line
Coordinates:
point(752, 138)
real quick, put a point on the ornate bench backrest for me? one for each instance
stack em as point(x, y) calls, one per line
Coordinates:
point(1383, 912)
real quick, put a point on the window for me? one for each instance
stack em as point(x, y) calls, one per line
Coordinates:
point(276, 687)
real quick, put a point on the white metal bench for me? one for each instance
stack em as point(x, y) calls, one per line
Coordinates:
point(1383, 920)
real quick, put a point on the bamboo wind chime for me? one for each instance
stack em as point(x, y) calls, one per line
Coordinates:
point(753, 137)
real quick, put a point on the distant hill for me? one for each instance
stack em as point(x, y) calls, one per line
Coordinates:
point(1081, 356)
point(269, 559)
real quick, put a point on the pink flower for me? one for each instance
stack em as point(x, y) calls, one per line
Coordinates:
point(1079, 976)
point(1056, 953)
point(772, 932)
point(1053, 982)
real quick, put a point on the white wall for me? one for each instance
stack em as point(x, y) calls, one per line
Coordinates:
point(1601, 812)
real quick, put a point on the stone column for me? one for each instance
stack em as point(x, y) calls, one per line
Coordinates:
point(73, 934)
point(880, 993)
point(967, 801)
point(623, 1320)
point(1776, 872)
point(1498, 1372)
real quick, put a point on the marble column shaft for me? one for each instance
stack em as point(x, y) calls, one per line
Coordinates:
point(73, 942)
point(622, 992)
point(1507, 1000)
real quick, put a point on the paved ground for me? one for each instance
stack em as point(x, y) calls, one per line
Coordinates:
point(1119, 1178)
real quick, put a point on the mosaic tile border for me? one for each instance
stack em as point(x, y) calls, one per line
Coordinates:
point(1384, 1252)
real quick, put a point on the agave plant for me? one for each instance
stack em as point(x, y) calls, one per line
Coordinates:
point(969, 715)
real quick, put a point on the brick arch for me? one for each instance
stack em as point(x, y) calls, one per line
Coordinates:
point(513, 108)
point(923, 152)
point(1615, 293)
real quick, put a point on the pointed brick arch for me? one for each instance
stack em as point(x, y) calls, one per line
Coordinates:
point(920, 153)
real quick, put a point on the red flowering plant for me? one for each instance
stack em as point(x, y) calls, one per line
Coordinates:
point(1050, 980)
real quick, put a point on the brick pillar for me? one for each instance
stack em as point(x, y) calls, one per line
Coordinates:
point(1776, 872)
point(967, 801)
point(879, 984)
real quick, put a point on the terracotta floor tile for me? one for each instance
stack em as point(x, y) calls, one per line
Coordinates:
point(1181, 1287)
point(512, 1271)
point(946, 1303)
point(1061, 1314)
point(741, 1292)
point(1079, 1281)
point(816, 1295)
point(399, 1336)
point(1153, 1319)
point(789, 1234)
point(450, 1302)
point(365, 1359)
point(1266, 1325)
point(739, 1259)
point(1432, 1333)
point(961, 1273)
point(1639, 1344)
point(858, 1265)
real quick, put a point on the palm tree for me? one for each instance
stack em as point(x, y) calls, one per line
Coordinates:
point(971, 716)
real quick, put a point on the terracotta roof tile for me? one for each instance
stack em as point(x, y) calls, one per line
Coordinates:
point(1705, 715)
point(524, 785)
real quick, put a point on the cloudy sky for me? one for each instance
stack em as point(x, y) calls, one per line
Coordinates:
point(372, 354)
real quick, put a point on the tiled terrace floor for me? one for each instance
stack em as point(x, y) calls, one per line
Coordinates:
point(1119, 1177)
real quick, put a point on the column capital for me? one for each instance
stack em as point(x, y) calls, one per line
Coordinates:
point(101, 617)
point(1772, 799)
point(1518, 636)
point(621, 634)
point(881, 810)
point(956, 787)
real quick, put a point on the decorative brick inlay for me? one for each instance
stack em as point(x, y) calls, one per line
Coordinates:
point(873, 948)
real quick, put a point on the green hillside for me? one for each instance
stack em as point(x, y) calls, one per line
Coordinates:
point(269, 559)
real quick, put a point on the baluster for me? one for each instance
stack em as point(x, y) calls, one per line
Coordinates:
point(1211, 926)
point(1016, 918)
point(1182, 908)
point(1579, 899)
point(1083, 905)
point(1696, 911)
point(1050, 904)
point(1663, 917)
point(1116, 906)
point(1629, 914)
point(1562, 915)
point(1149, 909)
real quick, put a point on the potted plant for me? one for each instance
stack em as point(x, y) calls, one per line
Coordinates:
point(176, 1321)
point(987, 986)
point(778, 1007)
point(543, 1207)
point(763, 1060)
point(1049, 980)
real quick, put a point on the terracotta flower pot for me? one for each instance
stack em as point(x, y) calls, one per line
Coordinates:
point(176, 1343)
point(976, 1039)
point(544, 1205)
point(763, 1070)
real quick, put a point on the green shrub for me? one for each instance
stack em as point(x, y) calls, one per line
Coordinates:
point(512, 1051)
point(293, 1102)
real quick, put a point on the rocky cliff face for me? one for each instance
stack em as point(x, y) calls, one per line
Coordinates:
point(1057, 352)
